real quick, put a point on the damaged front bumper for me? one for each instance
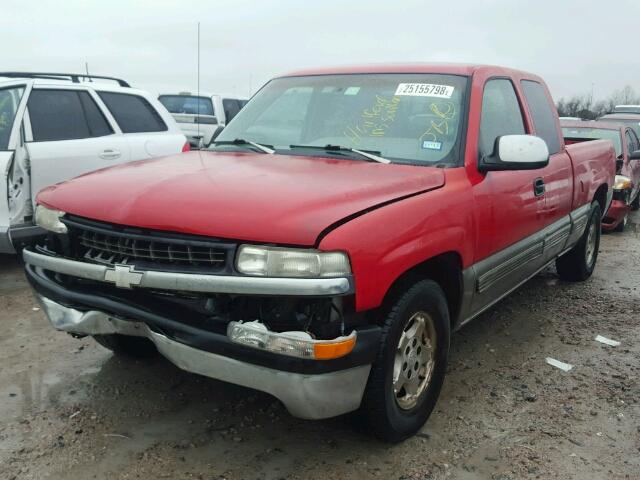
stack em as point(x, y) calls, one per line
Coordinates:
point(616, 213)
point(309, 388)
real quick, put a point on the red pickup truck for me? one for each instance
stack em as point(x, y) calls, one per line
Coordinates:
point(332, 238)
point(626, 189)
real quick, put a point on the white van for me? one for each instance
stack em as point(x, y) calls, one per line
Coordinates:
point(57, 126)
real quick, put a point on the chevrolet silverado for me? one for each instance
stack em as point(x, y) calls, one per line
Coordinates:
point(336, 233)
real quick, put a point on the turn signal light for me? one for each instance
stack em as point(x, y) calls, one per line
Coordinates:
point(294, 344)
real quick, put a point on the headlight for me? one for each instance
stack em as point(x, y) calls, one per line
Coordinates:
point(291, 262)
point(622, 183)
point(294, 344)
point(50, 219)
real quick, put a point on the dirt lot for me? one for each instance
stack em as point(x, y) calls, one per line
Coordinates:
point(69, 409)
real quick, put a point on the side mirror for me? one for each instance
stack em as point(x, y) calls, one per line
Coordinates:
point(516, 152)
point(635, 155)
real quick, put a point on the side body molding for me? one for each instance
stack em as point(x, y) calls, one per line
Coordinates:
point(494, 277)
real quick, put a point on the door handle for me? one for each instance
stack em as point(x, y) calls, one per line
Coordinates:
point(538, 187)
point(110, 154)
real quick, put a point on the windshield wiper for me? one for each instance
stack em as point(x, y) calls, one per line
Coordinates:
point(242, 141)
point(368, 154)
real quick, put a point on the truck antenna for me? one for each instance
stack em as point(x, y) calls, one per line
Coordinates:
point(198, 86)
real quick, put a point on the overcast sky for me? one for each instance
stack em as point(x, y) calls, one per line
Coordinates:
point(152, 44)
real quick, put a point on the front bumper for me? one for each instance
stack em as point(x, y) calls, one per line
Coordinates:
point(304, 395)
point(309, 388)
point(615, 214)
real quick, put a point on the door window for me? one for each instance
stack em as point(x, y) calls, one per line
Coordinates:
point(65, 115)
point(501, 114)
point(133, 113)
point(544, 118)
point(9, 102)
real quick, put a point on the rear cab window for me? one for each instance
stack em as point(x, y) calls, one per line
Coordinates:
point(9, 103)
point(542, 113)
point(133, 113)
point(58, 114)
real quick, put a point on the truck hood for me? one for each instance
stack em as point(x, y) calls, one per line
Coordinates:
point(244, 196)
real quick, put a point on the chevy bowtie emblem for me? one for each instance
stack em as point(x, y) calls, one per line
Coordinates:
point(123, 276)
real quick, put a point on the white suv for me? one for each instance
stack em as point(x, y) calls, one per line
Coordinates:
point(202, 117)
point(57, 126)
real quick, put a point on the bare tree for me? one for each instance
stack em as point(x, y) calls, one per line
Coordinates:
point(584, 107)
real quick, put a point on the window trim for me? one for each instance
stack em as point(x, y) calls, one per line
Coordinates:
point(144, 100)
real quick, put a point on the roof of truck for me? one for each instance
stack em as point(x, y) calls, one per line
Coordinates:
point(442, 68)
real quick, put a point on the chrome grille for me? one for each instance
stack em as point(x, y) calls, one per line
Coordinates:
point(123, 247)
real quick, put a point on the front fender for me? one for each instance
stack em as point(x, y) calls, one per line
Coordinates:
point(385, 243)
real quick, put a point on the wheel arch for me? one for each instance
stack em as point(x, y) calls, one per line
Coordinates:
point(601, 196)
point(445, 269)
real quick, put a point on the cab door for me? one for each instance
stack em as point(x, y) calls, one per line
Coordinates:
point(556, 179)
point(509, 205)
point(68, 135)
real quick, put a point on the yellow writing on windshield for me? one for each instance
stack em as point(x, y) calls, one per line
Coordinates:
point(374, 121)
point(439, 126)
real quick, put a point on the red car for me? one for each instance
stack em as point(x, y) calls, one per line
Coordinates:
point(626, 190)
point(340, 228)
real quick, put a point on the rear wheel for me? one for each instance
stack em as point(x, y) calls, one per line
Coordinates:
point(407, 375)
point(128, 346)
point(635, 205)
point(578, 264)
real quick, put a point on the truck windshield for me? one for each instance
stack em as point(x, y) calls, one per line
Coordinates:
point(406, 118)
point(9, 101)
point(187, 104)
point(580, 133)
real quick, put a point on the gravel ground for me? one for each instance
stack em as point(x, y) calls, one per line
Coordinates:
point(70, 410)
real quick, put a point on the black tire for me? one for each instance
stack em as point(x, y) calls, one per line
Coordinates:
point(381, 409)
point(574, 266)
point(128, 346)
point(635, 205)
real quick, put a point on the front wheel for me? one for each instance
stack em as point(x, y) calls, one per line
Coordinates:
point(635, 205)
point(579, 263)
point(407, 375)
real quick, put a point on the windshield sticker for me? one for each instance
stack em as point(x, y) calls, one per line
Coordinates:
point(424, 90)
point(431, 145)
point(374, 121)
point(352, 91)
